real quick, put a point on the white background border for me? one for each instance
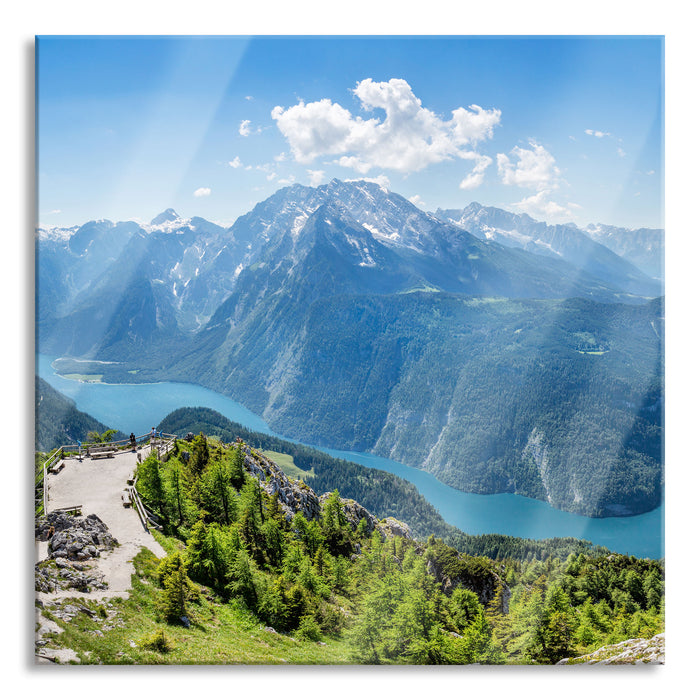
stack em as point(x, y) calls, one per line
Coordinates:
point(22, 21)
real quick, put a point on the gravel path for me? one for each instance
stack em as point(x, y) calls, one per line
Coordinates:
point(97, 486)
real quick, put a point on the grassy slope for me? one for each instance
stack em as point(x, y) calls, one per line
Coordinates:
point(221, 633)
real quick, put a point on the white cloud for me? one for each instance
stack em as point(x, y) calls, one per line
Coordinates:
point(202, 192)
point(249, 97)
point(650, 172)
point(281, 157)
point(620, 152)
point(58, 211)
point(476, 176)
point(381, 180)
point(315, 177)
point(245, 129)
point(235, 163)
point(597, 134)
point(416, 200)
point(408, 139)
point(288, 180)
point(535, 168)
point(539, 206)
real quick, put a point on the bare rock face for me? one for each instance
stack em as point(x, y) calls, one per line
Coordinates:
point(391, 527)
point(629, 652)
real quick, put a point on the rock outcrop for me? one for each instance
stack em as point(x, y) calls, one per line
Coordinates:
point(391, 527)
point(295, 496)
point(72, 537)
point(629, 652)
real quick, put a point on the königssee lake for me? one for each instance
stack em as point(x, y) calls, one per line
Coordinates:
point(138, 407)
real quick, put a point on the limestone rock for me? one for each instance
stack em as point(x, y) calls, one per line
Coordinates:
point(629, 652)
point(73, 537)
point(394, 528)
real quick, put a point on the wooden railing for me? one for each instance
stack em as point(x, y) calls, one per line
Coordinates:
point(79, 451)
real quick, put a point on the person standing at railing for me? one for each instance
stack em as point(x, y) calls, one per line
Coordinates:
point(132, 440)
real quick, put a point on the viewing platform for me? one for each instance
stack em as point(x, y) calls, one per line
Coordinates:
point(77, 480)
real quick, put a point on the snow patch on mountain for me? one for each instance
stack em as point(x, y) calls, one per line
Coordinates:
point(55, 233)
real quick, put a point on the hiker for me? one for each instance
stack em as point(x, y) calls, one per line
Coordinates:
point(132, 440)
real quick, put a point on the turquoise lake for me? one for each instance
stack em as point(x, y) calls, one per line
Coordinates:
point(138, 407)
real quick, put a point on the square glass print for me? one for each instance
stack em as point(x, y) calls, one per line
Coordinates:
point(350, 350)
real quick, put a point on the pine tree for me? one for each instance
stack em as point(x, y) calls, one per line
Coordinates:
point(217, 492)
point(237, 473)
point(176, 487)
point(200, 454)
point(177, 592)
point(151, 485)
point(242, 583)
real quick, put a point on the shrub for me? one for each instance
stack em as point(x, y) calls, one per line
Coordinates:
point(156, 641)
point(308, 629)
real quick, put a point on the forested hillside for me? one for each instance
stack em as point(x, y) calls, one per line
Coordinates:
point(323, 574)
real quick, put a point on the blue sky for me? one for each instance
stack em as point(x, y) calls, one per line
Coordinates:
point(562, 128)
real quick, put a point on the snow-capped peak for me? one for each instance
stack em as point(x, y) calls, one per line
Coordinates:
point(164, 216)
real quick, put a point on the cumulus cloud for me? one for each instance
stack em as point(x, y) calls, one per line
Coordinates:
point(416, 200)
point(539, 206)
point(409, 137)
point(202, 192)
point(476, 176)
point(534, 168)
point(315, 177)
point(235, 163)
point(597, 134)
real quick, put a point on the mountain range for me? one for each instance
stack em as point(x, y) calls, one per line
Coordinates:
point(499, 353)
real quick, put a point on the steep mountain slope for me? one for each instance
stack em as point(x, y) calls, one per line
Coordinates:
point(643, 247)
point(58, 421)
point(166, 278)
point(592, 253)
point(339, 339)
